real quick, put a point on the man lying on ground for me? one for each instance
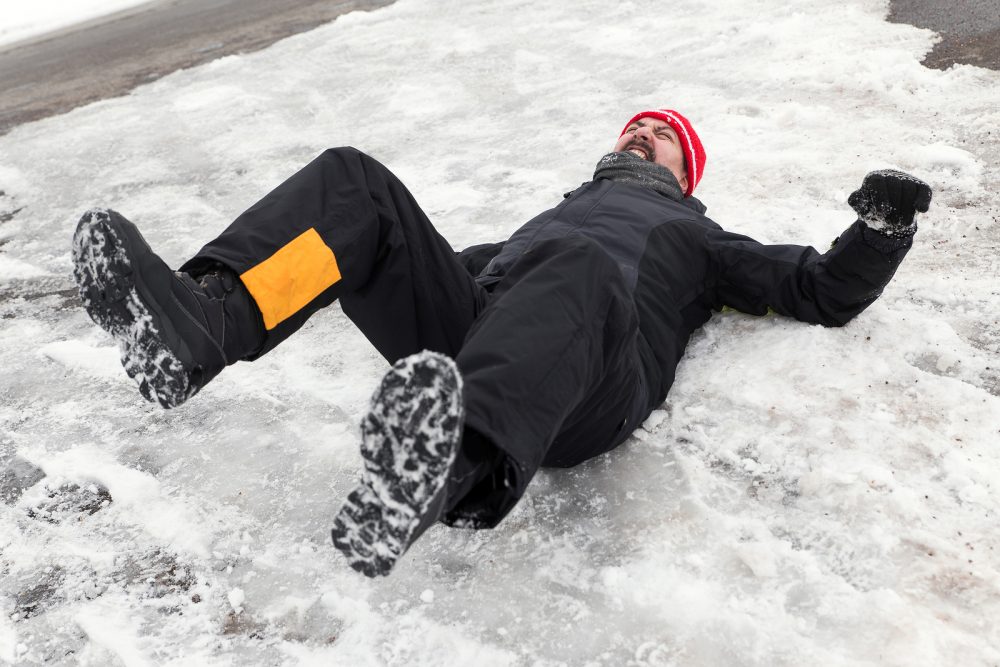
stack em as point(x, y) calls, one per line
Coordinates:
point(545, 350)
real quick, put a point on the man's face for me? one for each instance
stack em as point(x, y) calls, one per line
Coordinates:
point(654, 140)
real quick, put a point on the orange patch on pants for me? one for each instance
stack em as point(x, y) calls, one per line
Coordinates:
point(292, 277)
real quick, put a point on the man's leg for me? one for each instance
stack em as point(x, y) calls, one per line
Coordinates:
point(365, 241)
point(549, 375)
point(551, 371)
point(343, 226)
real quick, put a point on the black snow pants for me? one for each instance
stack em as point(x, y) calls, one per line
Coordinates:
point(548, 355)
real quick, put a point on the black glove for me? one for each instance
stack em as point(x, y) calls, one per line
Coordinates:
point(888, 199)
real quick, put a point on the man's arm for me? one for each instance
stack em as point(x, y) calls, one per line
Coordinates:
point(833, 287)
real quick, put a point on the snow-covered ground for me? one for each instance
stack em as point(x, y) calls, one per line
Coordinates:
point(805, 496)
point(20, 20)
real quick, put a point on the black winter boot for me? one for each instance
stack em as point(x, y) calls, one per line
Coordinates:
point(409, 440)
point(174, 332)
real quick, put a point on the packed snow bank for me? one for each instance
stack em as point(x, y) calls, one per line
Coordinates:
point(31, 19)
point(805, 496)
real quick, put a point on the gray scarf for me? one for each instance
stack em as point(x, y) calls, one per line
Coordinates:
point(632, 169)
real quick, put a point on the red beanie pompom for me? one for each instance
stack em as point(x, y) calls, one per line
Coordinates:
point(694, 152)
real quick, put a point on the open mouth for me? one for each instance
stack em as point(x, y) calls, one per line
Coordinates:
point(640, 152)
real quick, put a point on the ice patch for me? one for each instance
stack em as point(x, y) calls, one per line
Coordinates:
point(138, 495)
point(12, 268)
point(114, 632)
point(236, 599)
point(9, 645)
point(102, 362)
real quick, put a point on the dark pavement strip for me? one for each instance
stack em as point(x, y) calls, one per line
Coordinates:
point(112, 55)
point(969, 29)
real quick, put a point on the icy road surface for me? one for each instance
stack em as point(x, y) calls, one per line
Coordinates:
point(805, 496)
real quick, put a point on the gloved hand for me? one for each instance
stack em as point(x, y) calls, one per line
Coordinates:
point(888, 200)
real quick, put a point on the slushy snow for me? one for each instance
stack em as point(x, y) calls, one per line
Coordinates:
point(805, 495)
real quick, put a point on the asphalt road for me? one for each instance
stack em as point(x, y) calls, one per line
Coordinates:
point(970, 29)
point(112, 55)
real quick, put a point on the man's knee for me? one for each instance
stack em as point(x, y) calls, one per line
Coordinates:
point(348, 155)
point(341, 153)
point(347, 162)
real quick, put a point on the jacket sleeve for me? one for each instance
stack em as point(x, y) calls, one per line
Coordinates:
point(797, 281)
point(475, 258)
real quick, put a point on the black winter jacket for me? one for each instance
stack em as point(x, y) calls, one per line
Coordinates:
point(680, 266)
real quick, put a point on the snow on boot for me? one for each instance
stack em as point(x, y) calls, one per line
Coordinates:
point(174, 333)
point(409, 440)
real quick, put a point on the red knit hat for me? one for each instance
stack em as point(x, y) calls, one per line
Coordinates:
point(694, 152)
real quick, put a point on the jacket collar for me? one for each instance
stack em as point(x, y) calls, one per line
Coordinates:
point(627, 168)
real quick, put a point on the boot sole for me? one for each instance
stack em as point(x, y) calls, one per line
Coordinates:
point(104, 251)
point(409, 442)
